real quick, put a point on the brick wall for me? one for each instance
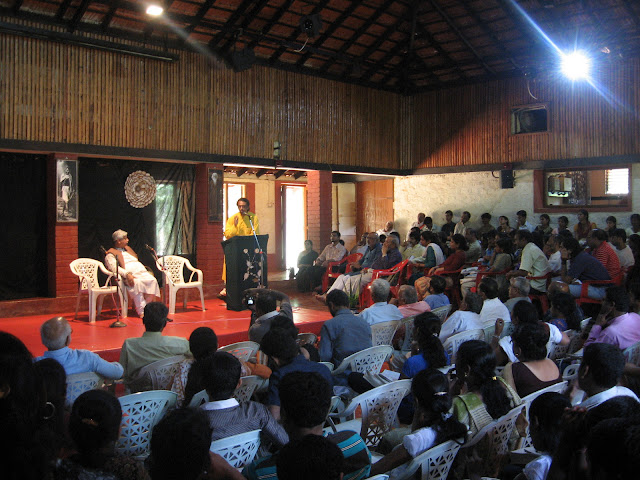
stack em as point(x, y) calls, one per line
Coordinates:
point(319, 207)
point(209, 256)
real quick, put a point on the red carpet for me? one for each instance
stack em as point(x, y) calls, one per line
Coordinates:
point(230, 326)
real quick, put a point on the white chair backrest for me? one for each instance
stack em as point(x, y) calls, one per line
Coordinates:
point(243, 351)
point(498, 433)
point(140, 413)
point(570, 372)
point(557, 351)
point(307, 337)
point(161, 372)
point(584, 323)
point(87, 270)
point(490, 330)
point(329, 365)
point(382, 332)
point(379, 407)
point(245, 391)
point(435, 462)
point(173, 267)
point(556, 387)
point(408, 334)
point(452, 343)
point(508, 329)
point(442, 312)
point(78, 383)
point(198, 399)
point(369, 360)
point(632, 353)
point(238, 450)
point(380, 476)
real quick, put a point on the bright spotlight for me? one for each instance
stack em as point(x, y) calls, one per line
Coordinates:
point(576, 65)
point(154, 10)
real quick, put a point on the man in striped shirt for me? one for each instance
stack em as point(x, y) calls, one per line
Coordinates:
point(304, 400)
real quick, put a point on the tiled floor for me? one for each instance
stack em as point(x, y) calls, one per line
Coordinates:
point(230, 326)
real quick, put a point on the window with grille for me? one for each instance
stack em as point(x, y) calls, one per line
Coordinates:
point(617, 181)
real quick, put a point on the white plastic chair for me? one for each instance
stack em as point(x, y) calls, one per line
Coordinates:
point(632, 353)
point(381, 476)
point(78, 383)
point(198, 399)
point(408, 334)
point(238, 450)
point(498, 433)
point(140, 413)
point(248, 385)
point(87, 271)
point(452, 343)
point(382, 332)
point(434, 463)
point(571, 372)
point(243, 351)
point(584, 323)
point(559, 387)
point(369, 360)
point(490, 330)
point(329, 365)
point(442, 312)
point(558, 351)
point(306, 338)
point(378, 406)
point(160, 372)
point(172, 266)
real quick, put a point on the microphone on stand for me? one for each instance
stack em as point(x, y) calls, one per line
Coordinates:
point(104, 252)
point(148, 248)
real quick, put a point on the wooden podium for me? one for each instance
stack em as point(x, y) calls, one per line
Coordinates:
point(246, 263)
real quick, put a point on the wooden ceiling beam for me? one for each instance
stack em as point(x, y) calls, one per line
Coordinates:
point(258, 6)
point(292, 37)
point(229, 25)
point(110, 14)
point(202, 11)
point(279, 173)
point(62, 10)
point(261, 172)
point(16, 6)
point(297, 175)
point(241, 171)
point(77, 16)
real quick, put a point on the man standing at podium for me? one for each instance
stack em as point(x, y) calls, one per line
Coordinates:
point(242, 223)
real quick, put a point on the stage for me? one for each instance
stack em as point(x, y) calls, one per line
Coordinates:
point(230, 326)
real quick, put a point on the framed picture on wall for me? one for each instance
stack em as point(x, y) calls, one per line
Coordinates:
point(67, 190)
point(216, 190)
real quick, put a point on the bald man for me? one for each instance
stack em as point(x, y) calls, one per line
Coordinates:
point(56, 336)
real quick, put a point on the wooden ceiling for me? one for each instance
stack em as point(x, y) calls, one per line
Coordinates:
point(401, 46)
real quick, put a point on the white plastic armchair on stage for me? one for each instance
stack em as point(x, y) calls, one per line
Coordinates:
point(172, 266)
point(87, 271)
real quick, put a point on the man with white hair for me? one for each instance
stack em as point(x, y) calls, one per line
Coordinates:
point(56, 336)
point(408, 303)
point(519, 288)
point(380, 311)
point(141, 284)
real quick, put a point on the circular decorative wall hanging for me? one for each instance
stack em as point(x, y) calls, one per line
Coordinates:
point(140, 189)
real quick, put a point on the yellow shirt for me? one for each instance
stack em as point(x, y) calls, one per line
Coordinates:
point(243, 227)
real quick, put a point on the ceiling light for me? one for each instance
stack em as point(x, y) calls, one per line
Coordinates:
point(576, 65)
point(154, 10)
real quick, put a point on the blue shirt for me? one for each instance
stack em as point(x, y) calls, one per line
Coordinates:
point(437, 300)
point(381, 312)
point(416, 363)
point(299, 364)
point(343, 335)
point(82, 361)
point(586, 267)
point(371, 255)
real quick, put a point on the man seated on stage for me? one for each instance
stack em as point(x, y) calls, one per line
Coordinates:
point(140, 352)
point(56, 336)
point(139, 282)
point(264, 308)
point(353, 284)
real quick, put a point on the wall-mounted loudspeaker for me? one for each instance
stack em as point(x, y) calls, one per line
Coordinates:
point(506, 178)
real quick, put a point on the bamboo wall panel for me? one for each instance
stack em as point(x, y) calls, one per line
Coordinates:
point(58, 93)
point(471, 125)
point(374, 205)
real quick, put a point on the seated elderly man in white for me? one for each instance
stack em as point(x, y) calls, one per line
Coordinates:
point(467, 317)
point(140, 283)
point(380, 311)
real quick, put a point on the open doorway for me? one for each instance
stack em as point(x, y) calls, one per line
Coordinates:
point(294, 222)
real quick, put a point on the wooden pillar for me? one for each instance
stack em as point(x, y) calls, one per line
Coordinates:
point(62, 245)
point(319, 207)
point(209, 256)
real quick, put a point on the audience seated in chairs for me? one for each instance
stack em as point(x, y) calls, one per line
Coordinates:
point(600, 249)
point(534, 371)
point(467, 317)
point(141, 285)
point(353, 284)
point(412, 248)
point(313, 458)
point(333, 252)
point(281, 347)
point(584, 267)
point(180, 449)
point(564, 312)
point(264, 309)
point(221, 375)
point(305, 263)
point(614, 324)
point(455, 261)
point(475, 249)
point(431, 424)
point(56, 336)
point(139, 352)
point(433, 255)
point(625, 255)
point(345, 333)
point(408, 303)
point(533, 262)
point(436, 297)
point(94, 427)
point(305, 399)
point(380, 311)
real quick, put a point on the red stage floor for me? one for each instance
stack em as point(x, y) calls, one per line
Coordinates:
point(230, 326)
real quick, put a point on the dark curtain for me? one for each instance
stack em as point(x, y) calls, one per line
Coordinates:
point(166, 224)
point(23, 270)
